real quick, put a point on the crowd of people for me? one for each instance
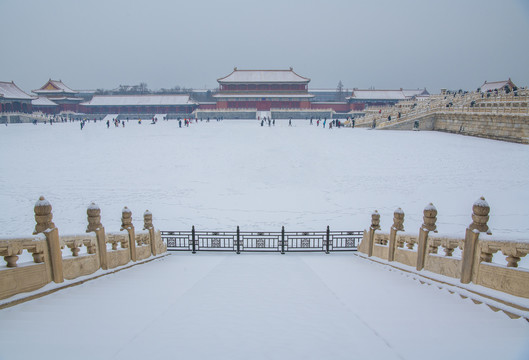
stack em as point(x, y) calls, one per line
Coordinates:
point(185, 122)
point(332, 123)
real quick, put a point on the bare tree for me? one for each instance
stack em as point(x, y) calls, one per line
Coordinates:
point(340, 96)
point(143, 88)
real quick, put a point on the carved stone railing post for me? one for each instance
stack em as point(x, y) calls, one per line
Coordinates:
point(126, 224)
point(43, 217)
point(429, 220)
point(94, 224)
point(480, 216)
point(147, 225)
point(398, 225)
point(375, 225)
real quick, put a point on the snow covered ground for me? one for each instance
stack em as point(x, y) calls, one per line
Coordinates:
point(259, 306)
point(218, 175)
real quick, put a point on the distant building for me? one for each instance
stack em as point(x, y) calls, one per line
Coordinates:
point(327, 95)
point(57, 92)
point(13, 99)
point(45, 105)
point(263, 90)
point(360, 99)
point(139, 104)
point(497, 85)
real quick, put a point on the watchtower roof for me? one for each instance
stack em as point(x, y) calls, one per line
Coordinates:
point(53, 87)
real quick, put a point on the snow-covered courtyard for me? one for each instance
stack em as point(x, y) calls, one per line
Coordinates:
point(217, 175)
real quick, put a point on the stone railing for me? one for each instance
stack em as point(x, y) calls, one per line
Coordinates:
point(512, 103)
point(468, 258)
point(56, 258)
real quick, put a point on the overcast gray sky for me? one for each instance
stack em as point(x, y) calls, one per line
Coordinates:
point(382, 43)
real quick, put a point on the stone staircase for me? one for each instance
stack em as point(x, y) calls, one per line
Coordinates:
point(497, 115)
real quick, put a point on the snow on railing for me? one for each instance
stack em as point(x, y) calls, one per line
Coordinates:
point(50, 264)
point(468, 258)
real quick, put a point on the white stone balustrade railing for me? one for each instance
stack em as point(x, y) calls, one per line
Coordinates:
point(448, 245)
point(514, 102)
point(115, 239)
point(142, 238)
point(11, 248)
point(513, 251)
point(46, 245)
point(472, 264)
point(75, 242)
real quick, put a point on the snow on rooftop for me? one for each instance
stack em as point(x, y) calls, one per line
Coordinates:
point(266, 76)
point(493, 85)
point(139, 100)
point(415, 92)
point(9, 91)
point(43, 101)
point(54, 86)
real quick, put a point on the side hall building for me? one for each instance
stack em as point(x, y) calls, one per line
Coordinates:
point(139, 104)
point(56, 92)
point(13, 99)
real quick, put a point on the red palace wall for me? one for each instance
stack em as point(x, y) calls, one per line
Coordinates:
point(358, 106)
point(338, 107)
point(69, 107)
point(207, 107)
point(304, 104)
point(16, 106)
point(46, 109)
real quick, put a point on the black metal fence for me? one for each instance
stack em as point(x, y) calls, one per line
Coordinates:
point(269, 241)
